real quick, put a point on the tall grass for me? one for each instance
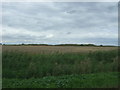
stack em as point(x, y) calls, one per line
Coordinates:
point(23, 65)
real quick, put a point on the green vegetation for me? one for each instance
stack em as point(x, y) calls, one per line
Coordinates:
point(98, 80)
point(67, 70)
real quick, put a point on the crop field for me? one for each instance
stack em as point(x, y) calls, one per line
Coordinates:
point(52, 49)
point(59, 67)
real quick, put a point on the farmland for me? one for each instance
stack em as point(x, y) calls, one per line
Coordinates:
point(61, 49)
point(59, 67)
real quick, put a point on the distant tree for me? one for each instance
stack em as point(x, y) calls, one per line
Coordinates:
point(22, 44)
point(81, 44)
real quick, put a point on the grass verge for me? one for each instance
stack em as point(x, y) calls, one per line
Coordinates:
point(97, 80)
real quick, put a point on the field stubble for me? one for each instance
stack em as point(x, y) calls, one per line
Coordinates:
point(60, 49)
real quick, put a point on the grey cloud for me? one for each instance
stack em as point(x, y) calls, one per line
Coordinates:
point(68, 32)
point(56, 18)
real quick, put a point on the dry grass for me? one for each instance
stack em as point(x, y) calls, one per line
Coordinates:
point(52, 49)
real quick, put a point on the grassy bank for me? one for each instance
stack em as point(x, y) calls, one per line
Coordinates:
point(60, 70)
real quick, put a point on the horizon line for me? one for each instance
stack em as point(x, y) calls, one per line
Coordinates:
point(55, 44)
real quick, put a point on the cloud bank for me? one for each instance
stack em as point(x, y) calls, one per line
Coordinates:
point(60, 22)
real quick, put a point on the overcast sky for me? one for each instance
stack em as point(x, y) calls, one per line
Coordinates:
point(59, 23)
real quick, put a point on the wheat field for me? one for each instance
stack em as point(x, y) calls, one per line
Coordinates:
point(52, 49)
